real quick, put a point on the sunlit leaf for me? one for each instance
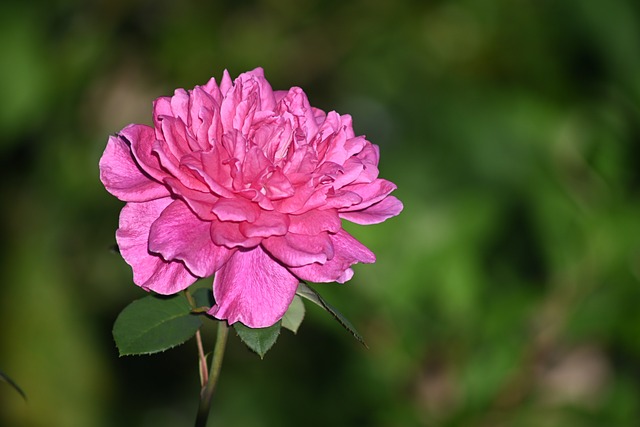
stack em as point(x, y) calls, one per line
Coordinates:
point(307, 292)
point(294, 315)
point(4, 377)
point(153, 324)
point(260, 340)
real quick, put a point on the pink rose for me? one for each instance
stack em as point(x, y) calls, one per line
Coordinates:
point(248, 183)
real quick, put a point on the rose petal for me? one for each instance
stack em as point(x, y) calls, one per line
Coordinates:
point(226, 233)
point(269, 223)
point(237, 209)
point(252, 288)
point(347, 251)
point(150, 271)
point(330, 199)
point(278, 186)
point(180, 106)
point(371, 193)
point(199, 202)
point(123, 178)
point(297, 103)
point(141, 138)
point(172, 165)
point(377, 213)
point(314, 222)
point(180, 235)
point(298, 249)
point(203, 125)
point(174, 135)
point(254, 164)
point(210, 167)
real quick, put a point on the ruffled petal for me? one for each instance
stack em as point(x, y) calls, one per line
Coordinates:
point(142, 138)
point(377, 213)
point(172, 165)
point(298, 249)
point(150, 271)
point(210, 167)
point(226, 233)
point(199, 202)
point(371, 193)
point(277, 186)
point(180, 235)
point(297, 103)
point(123, 178)
point(269, 223)
point(237, 209)
point(347, 251)
point(314, 222)
point(252, 288)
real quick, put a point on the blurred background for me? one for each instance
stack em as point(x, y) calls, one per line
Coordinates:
point(505, 294)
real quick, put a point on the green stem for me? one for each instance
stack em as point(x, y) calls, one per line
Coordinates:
point(216, 364)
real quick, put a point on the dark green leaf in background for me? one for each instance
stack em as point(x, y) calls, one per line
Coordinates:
point(260, 340)
point(153, 324)
point(306, 291)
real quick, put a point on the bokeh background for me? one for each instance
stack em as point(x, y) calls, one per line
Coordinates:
point(505, 294)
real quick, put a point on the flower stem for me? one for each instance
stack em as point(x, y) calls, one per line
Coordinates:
point(202, 359)
point(216, 364)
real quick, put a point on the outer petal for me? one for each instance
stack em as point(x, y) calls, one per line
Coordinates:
point(347, 251)
point(142, 139)
point(371, 193)
point(252, 288)
point(374, 214)
point(178, 234)
point(150, 271)
point(123, 178)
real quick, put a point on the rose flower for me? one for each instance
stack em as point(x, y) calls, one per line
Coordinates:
point(248, 183)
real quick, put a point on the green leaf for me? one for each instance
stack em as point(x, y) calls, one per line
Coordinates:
point(260, 340)
point(153, 324)
point(4, 377)
point(294, 315)
point(307, 292)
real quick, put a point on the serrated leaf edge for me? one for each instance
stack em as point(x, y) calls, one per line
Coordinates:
point(239, 334)
point(305, 291)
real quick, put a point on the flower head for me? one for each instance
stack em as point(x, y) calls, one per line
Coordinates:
point(248, 183)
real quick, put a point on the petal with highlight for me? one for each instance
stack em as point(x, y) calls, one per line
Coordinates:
point(298, 249)
point(150, 271)
point(347, 251)
point(142, 138)
point(123, 178)
point(377, 213)
point(252, 288)
point(180, 235)
point(227, 233)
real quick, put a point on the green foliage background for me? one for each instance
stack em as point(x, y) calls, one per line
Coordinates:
point(507, 292)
